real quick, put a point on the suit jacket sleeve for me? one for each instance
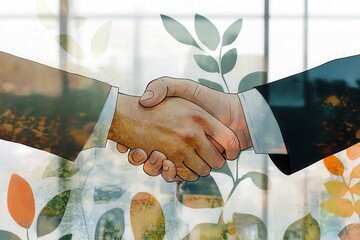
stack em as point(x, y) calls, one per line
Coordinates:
point(318, 112)
point(47, 108)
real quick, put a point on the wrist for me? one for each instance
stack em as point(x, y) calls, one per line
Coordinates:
point(120, 127)
point(240, 126)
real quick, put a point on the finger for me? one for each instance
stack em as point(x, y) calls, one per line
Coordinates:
point(209, 154)
point(121, 148)
point(137, 156)
point(168, 171)
point(224, 136)
point(154, 164)
point(186, 174)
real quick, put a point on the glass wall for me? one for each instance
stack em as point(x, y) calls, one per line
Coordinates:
point(127, 44)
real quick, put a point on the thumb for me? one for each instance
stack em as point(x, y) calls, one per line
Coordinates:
point(155, 93)
point(163, 87)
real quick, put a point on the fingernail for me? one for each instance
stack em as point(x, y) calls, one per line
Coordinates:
point(165, 167)
point(153, 160)
point(147, 95)
point(137, 156)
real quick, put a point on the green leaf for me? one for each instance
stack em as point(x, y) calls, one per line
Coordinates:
point(204, 193)
point(178, 31)
point(259, 179)
point(305, 228)
point(351, 231)
point(52, 214)
point(232, 32)
point(111, 225)
point(5, 235)
point(211, 84)
point(252, 80)
point(108, 193)
point(206, 63)
point(69, 45)
point(207, 32)
point(46, 15)
point(63, 169)
point(228, 61)
point(243, 222)
point(66, 237)
point(225, 169)
point(101, 39)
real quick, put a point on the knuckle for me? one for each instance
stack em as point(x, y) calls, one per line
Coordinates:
point(219, 163)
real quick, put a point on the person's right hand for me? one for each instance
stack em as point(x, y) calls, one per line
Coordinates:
point(223, 106)
point(177, 129)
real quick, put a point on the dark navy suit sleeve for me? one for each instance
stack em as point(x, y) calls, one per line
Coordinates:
point(318, 112)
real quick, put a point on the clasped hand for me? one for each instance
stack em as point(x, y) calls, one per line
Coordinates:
point(180, 129)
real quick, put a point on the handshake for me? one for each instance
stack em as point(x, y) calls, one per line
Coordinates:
point(180, 129)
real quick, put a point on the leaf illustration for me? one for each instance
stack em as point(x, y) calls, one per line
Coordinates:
point(63, 169)
point(225, 169)
point(259, 179)
point(248, 226)
point(211, 84)
point(69, 45)
point(178, 31)
point(353, 152)
point(232, 32)
point(355, 189)
point(207, 32)
point(101, 39)
point(207, 231)
point(5, 235)
point(228, 61)
point(204, 193)
point(147, 217)
point(357, 207)
point(355, 173)
point(20, 200)
point(339, 206)
point(66, 237)
point(252, 80)
point(336, 188)
point(206, 63)
point(108, 193)
point(350, 232)
point(305, 228)
point(111, 225)
point(52, 214)
point(46, 15)
point(334, 165)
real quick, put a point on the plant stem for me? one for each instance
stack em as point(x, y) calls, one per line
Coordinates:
point(27, 234)
point(348, 185)
point(235, 185)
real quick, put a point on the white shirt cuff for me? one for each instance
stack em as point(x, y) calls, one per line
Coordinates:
point(101, 130)
point(264, 130)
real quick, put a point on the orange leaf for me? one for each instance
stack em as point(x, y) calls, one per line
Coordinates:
point(20, 201)
point(334, 165)
point(339, 206)
point(353, 152)
point(355, 173)
point(336, 188)
point(147, 217)
point(355, 189)
point(357, 207)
